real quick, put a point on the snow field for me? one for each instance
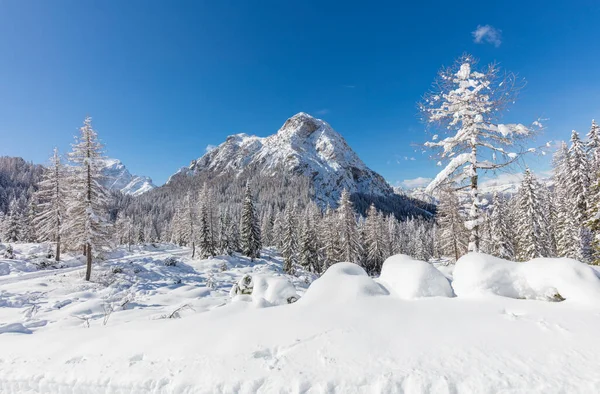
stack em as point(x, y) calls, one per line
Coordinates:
point(142, 326)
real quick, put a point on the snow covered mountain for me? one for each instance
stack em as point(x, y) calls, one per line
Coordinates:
point(118, 177)
point(304, 146)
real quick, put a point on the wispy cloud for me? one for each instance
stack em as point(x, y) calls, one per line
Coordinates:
point(349, 86)
point(323, 111)
point(487, 34)
point(416, 182)
point(210, 147)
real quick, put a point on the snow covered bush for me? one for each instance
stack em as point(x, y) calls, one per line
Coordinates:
point(170, 261)
point(550, 279)
point(243, 287)
point(409, 278)
point(341, 283)
point(276, 290)
point(9, 253)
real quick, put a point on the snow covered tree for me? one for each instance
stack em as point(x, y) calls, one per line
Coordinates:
point(224, 240)
point(205, 232)
point(188, 223)
point(87, 225)
point(124, 230)
point(266, 229)
point(531, 221)
point(309, 253)
point(593, 150)
point(329, 232)
point(250, 230)
point(578, 186)
point(501, 234)
point(12, 229)
point(350, 245)
point(52, 196)
point(467, 103)
point(374, 242)
point(289, 242)
point(452, 234)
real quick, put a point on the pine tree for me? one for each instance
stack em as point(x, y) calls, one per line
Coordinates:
point(309, 254)
point(593, 149)
point(501, 234)
point(188, 223)
point(250, 230)
point(205, 233)
point(578, 186)
point(350, 245)
point(12, 231)
point(453, 235)
point(374, 242)
point(289, 242)
point(531, 220)
point(468, 101)
point(329, 231)
point(52, 196)
point(225, 244)
point(87, 225)
point(266, 229)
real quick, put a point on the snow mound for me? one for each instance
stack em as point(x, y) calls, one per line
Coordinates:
point(264, 290)
point(342, 282)
point(409, 278)
point(550, 279)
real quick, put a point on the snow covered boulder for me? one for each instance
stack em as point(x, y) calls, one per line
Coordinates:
point(342, 282)
point(550, 279)
point(409, 278)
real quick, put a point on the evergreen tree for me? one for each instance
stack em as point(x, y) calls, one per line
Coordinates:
point(266, 229)
point(374, 242)
point(289, 242)
point(453, 235)
point(330, 235)
point(87, 225)
point(13, 226)
point(250, 230)
point(531, 220)
point(578, 192)
point(309, 254)
point(188, 223)
point(350, 245)
point(593, 150)
point(52, 196)
point(501, 233)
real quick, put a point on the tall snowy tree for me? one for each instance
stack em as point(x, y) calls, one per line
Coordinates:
point(350, 245)
point(467, 104)
point(531, 224)
point(12, 228)
point(329, 232)
point(374, 241)
point(87, 225)
point(289, 242)
point(188, 222)
point(206, 242)
point(593, 150)
point(501, 234)
point(250, 229)
point(452, 234)
point(52, 196)
point(578, 186)
point(309, 253)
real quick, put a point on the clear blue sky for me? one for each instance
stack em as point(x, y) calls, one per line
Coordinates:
point(164, 79)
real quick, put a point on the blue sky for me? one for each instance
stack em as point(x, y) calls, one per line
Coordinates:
point(162, 80)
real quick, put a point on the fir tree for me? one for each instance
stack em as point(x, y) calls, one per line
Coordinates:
point(531, 220)
point(250, 230)
point(501, 233)
point(374, 242)
point(350, 245)
point(289, 242)
point(452, 233)
point(309, 254)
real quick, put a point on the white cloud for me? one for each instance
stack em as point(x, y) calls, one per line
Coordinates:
point(210, 147)
point(416, 182)
point(502, 179)
point(323, 111)
point(487, 34)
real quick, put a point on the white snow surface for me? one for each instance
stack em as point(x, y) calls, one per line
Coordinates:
point(408, 278)
point(541, 279)
point(142, 326)
point(305, 146)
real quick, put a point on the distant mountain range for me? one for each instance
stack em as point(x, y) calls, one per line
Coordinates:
point(117, 177)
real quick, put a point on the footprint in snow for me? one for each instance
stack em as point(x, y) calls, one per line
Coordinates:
point(136, 358)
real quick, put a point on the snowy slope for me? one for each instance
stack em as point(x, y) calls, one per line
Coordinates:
point(347, 334)
point(118, 177)
point(304, 146)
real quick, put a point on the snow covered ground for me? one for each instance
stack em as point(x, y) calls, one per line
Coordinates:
point(145, 327)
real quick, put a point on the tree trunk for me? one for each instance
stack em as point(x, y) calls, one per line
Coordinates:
point(88, 272)
point(84, 250)
point(57, 257)
point(474, 212)
point(193, 249)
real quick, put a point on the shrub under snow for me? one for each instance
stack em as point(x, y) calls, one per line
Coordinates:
point(265, 290)
point(342, 282)
point(409, 278)
point(551, 279)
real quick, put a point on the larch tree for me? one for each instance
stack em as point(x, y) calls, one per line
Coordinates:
point(52, 197)
point(466, 103)
point(250, 228)
point(87, 225)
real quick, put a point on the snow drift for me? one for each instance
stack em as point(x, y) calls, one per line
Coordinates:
point(408, 278)
point(551, 279)
point(342, 282)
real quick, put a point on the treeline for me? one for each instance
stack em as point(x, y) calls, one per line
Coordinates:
point(560, 219)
